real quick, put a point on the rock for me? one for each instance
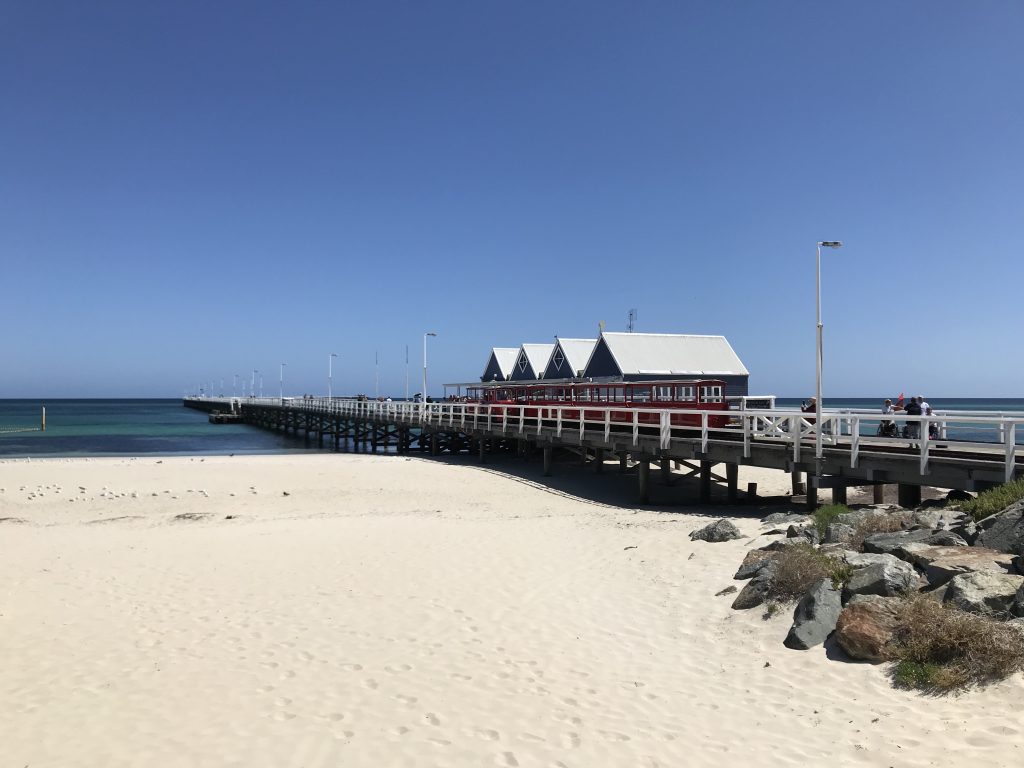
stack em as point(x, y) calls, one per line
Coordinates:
point(885, 543)
point(839, 533)
point(1004, 531)
point(784, 518)
point(755, 560)
point(866, 626)
point(815, 616)
point(984, 592)
point(967, 529)
point(720, 530)
point(940, 564)
point(727, 591)
point(855, 517)
point(864, 559)
point(780, 544)
point(888, 578)
point(756, 590)
point(946, 539)
point(957, 495)
point(807, 532)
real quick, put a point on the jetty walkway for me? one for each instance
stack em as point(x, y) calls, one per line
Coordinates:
point(852, 452)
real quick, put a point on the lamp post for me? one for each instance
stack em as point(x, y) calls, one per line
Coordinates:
point(330, 373)
point(407, 373)
point(282, 380)
point(252, 385)
point(234, 386)
point(423, 396)
point(817, 402)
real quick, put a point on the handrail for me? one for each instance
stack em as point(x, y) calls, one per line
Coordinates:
point(840, 427)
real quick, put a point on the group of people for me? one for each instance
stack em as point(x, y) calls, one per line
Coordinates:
point(916, 406)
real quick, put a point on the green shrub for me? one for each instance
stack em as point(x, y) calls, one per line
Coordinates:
point(994, 500)
point(826, 515)
point(799, 567)
point(939, 647)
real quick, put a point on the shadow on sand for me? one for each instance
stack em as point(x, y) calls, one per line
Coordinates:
point(570, 477)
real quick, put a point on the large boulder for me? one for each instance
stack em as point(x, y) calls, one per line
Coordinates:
point(940, 564)
point(984, 592)
point(1004, 531)
point(720, 530)
point(807, 532)
point(815, 616)
point(755, 560)
point(784, 518)
point(856, 517)
point(885, 543)
point(887, 578)
point(839, 533)
point(756, 590)
point(866, 626)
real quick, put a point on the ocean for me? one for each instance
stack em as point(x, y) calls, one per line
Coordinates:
point(165, 427)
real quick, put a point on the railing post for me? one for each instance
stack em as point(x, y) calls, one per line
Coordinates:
point(796, 435)
point(607, 424)
point(854, 441)
point(558, 431)
point(636, 428)
point(666, 430)
point(704, 432)
point(747, 422)
point(1011, 450)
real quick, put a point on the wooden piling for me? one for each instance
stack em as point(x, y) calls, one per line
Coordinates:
point(643, 480)
point(732, 477)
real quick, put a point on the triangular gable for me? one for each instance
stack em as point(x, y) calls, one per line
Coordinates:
point(531, 362)
point(569, 358)
point(500, 364)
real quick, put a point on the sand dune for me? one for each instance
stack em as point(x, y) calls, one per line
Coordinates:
point(393, 612)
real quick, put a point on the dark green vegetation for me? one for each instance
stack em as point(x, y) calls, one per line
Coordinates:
point(826, 515)
point(994, 500)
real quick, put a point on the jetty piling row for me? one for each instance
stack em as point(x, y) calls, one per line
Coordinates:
point(770, 438)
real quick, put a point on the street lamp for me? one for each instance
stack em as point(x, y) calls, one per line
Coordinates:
point(423, 397)
point(282, 380)
point(330, 372)
point(817, 402)
point(252, 386)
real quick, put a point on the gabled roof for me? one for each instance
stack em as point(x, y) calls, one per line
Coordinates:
point(576, 353)
point(536, 355)
point(671, 354)
point(505, 357)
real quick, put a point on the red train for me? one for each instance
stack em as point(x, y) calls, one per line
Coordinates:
point(625, 397)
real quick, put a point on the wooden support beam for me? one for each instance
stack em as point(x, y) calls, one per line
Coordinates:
point(643, 480)
point(623, 462)
point(799, 488)
point(732, 475)
point(666, 471)
point(812, 492)
point(705, 481)
point(599, 460)
point(909, 495)
point(838, 494)
point(878, 494)
point(548, 459)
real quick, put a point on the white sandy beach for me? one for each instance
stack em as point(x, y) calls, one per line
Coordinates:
point(409, 612)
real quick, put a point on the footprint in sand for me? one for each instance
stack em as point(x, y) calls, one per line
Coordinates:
point(530, 737)
point(431, 718)
point(407, 700)
point(506, 759)
point(613, 736)
point(397, 669)
point(400, 730)
point(282, 702)
point(352, 667)
point(440, 742)
point(283, 716)
point(372, 684)
point(487, 734)
point(463, 678)
point(570, 740)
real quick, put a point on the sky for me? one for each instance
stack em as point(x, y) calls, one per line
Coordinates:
point(190, 191)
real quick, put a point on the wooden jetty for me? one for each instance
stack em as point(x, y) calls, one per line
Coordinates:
point(773, 438)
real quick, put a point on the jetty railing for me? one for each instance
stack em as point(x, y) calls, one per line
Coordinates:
point(852, 431)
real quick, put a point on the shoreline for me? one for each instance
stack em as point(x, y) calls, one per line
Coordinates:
point(394, 610)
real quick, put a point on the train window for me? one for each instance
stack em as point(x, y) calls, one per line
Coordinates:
point(618, 394)
point(641, 394)
point(711, 394)
point(664, 393)
point(684, 393)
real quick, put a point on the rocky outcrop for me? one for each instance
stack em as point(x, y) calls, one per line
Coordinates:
point(784, 518)
point(866, 626)
point(886, 579)
point(756, 590)
point(940, 564)
point(815, 616)
point(984, 592)
point(885, 543)
point(720, 530)
point(755, 560)
point(839, 533)
point(1004, 531)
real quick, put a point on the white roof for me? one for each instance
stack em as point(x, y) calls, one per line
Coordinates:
point(506, 357)
point(672, 354)
point(577, 354)
point(538, 356)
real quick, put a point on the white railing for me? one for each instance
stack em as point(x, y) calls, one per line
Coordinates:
point(990, 435)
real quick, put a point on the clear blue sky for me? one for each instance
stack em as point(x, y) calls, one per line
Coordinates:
point(191, 190)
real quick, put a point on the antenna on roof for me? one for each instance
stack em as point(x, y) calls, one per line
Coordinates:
point(632, 321)
point(600, 326)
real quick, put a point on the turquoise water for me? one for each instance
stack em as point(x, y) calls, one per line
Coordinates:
point(129, 427)
point(135, 427)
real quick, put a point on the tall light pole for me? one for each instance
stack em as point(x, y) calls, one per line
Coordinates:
point(407, 372)
point(817, 402)
point(252, 386)
point(376, 375)
point(330, 373)
point(261, 383)
point(282, 380)
point(423, 396)
point(234, 387)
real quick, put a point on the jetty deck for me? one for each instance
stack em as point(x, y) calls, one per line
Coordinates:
point(852, 455)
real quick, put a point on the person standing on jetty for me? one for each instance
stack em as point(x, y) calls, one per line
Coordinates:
point(913, 408)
